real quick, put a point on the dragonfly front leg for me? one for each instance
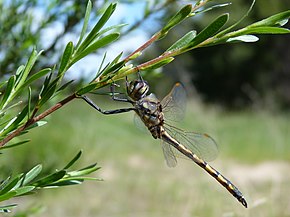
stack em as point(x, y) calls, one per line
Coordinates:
point(107, 112)
point(112, 89)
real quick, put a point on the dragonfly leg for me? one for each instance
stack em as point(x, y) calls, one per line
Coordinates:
point(105, 112)
point(114, 97)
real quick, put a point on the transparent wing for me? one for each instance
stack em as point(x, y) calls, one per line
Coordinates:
point(168, 154)
point(174, 104)
point(200, 144)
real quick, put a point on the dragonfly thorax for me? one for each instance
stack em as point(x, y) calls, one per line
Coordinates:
point(137, 89)
point(149, 110)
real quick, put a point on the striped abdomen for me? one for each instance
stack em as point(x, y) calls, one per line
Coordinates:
point(213, 172)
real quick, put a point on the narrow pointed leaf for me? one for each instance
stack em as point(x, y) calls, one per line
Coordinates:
point(177, 18)
point(182, 42)
point(211, 8)
point(30, 63)
point(65, 85)
point(48, 180)
point(65, 58)
point(37, 124)
point(8, 91)
point(17, 121)
point(14, 144)
point(96, 45)
point(94, 33)
point(210, 30)
point(86, 21)
point(87, 89)
point(274, 20)
point(10, 185)
point(158, 64)
point(266, 30)
point(244, 38)
point(32, 174)
point(7, 196)
point(78, 155)
point(24, 190)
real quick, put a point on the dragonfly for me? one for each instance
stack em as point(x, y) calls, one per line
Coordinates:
point(198, 147)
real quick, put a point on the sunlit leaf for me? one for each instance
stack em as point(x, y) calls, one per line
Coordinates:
point(32, 174)
point(177, 18)
point(210, 30)
point(9, 87)
point(94, 32)
point(96, 45)
point(158, 64)
point(24, 190)
point(78, 155)
point(275, 20)
point(86, 21)
point(14, 144)
point(48, 180)
point(65, 58)
point(182, 42)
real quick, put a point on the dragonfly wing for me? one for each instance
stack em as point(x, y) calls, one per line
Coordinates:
point(200, 144)
point(174, 104)
point(168, 155)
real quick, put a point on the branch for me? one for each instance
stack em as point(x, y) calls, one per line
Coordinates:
point(37, 118)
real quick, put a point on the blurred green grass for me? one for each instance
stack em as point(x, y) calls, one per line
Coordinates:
point(137, 182)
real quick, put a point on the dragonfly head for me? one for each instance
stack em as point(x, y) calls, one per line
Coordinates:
point(137, 89)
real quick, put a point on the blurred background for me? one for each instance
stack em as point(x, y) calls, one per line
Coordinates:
point(237, 93)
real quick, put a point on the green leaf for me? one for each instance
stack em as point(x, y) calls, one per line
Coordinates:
point(118, 26)
point(210, 30)
point(96, 45)
point(48, 92)
point(30, 63)
point(65, 58)
point(275, 20)
point(94, 33)
point(66, 182)
point(65, 85)
point(110, 67)
point(32, 174)
point(28, 103)
point(86, 21)
point(114, 68)
point(24, 190)
point(14, 144)
point(48, 180)
point(182, 42)
point(158, 64)
point(266, 30)
point(244, 38)
point(12, 126)
point(7, 196)
point(88, 88)
point(8, 91)
point(85, 171)
point(3, 183)
point(211, 8)
point(177, 18)
point(78, 155)
point(37, 124)
point(10, 185)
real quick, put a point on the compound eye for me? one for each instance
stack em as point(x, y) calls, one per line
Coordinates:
point(138, 89)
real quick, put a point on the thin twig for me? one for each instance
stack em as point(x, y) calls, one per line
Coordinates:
point(37, 118)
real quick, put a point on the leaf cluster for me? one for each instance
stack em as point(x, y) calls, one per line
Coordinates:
point(31, 181)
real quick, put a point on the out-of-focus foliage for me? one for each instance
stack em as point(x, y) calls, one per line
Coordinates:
point(238, 75)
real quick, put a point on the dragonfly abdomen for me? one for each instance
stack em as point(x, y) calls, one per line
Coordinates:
point(203, 164)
